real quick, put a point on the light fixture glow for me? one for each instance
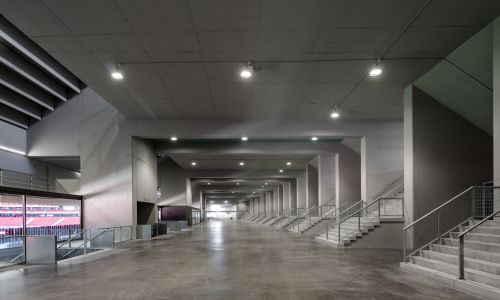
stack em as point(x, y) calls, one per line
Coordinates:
point(281, 171)
point(288, 163)
point(335, 113)
point(209, 183)
point(314, 138)
point(253, 192)
point(237, 183)
point(247, 71)
point(244, 138)
point(8, 149)
point(242, 163)
point(375, 71)
point(117, 75)
point(193, 163)
point(173, 139)
point(266, 183)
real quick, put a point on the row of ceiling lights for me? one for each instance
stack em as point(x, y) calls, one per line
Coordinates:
point(247, 73)
point(242, 164)
point(244, 139)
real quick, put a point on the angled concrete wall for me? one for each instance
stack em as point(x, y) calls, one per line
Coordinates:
point(444, 153)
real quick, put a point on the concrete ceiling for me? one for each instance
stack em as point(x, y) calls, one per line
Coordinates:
point(172, 52)
point(464, 81)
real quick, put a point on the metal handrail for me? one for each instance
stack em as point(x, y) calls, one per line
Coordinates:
point(85, 241)
point(303, 214)
point(358, 214)
point(461, 247)
point(386, 191)
point(439, 207)
point(310, 211)
point(436, 211)
point(291, 217)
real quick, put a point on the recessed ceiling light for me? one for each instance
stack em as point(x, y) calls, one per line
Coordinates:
point(244, 138)
point(253, 192)
point(288, 163)
point(375, 71)
point(209, 183)
point(225, 201)
point(237, 183)
point(281, 171)
point(242, 163)
point(117, 75)
point(232, 192)
point(266, 183)
point(261, 186)
point(193, 163)
point(173, 139)
point(314, 138)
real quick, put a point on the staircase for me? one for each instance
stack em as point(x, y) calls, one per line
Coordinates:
point(304, 224)
point(482, 256)
point(438, 255)
point(350, 231)
point(352, 222)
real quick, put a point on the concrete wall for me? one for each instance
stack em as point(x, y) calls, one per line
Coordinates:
point(172, 181)
point(384, 236)
point(89, 128)
point(144, 179)
point(312, 183)
point(444, 154)
point(327, 173)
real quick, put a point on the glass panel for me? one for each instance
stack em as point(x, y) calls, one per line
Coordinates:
point(11, 225)
point(48, 216)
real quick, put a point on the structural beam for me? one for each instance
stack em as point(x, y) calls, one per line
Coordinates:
point(20, 42)
point(22, 87)
point(12, 116)
point(21, 66)
point(20, 103)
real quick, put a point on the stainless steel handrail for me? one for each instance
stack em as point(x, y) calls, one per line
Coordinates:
point(301, 215)
point(365, 208)
point(436, 211)
point(461, 246)
point(337, 213)
point(311, 211)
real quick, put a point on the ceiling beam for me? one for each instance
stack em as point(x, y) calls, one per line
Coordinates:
point(22, 87)
point(19, 103)
point(19, 41)
point(21, 66)
point(12, 116)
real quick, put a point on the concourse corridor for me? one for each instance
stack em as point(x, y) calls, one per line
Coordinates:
point(227, 260)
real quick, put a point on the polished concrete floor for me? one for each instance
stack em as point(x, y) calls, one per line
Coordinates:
point(228, 260)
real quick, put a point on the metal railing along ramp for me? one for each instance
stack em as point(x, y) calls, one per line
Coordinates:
point(458, 242)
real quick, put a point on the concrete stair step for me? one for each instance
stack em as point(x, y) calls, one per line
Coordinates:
point(481, 237)
point(480, 265)
point(470, 274)
point(490, 223)
point(471, 244)
point(493, 257)
point(482, 230)
point(335, 242)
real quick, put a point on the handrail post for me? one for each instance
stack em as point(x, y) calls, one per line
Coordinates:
point(339, 233)
point(404, 245)
point(85, 242)
point(461, 262)
point(378, 209)
point(326, 227)
point(438, 229)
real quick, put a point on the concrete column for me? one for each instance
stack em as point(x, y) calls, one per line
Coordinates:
point(496, 107)
point(327, 178)
point(281, 204)
point(287, 196)
point(312, 183)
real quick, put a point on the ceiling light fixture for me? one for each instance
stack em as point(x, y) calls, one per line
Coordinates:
point(266, 183)
point(314, 138)
point(244, 138)
point(288, 163)
point(376, 70)
point(242, 163)
point(173, 139)
point(209, 183)
point(117, 74)
point(247, 71)
point(281, 171)
point(335, 113)
point(237, 183)
point(193, 163)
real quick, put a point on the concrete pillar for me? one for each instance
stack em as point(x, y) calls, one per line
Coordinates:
point(282, 205)
point(327, 178)
point(496, 107)
point(312, 183)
